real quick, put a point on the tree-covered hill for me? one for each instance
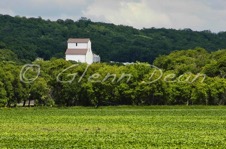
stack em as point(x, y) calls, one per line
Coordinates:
point(30, 38)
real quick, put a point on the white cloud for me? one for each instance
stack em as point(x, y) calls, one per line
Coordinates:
point(136, 14)
point(6, 11)
point(179, 14)
point(51, 9)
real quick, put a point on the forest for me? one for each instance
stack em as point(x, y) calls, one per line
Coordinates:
point(30, 38)
point(185, 77)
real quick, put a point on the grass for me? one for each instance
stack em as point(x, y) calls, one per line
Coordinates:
point(114, 127)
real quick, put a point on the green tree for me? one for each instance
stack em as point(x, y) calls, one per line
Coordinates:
point(3, 95)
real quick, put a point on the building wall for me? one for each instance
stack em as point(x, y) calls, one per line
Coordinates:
point(96, 58)
point(79, 46)
point(89, 57)
point(89, 46)
point(77, 58)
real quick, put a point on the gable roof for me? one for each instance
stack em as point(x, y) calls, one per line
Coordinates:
point(78, 40)
point(76, 51)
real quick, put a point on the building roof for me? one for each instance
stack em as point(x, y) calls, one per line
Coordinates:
point(76, 51)
point(78, 40)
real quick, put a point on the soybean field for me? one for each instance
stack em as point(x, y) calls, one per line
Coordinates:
point(114, 127)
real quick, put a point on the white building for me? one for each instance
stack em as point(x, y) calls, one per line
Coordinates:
point(96, 58)
point(79, 50)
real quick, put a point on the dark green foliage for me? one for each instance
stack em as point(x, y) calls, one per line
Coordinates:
point(30, 38)
point(8, 55)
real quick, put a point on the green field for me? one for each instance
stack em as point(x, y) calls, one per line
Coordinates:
point(113, 127)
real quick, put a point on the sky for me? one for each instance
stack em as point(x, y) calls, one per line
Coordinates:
point(197, 15)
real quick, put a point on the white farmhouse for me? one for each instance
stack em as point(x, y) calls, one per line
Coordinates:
point(79, 50)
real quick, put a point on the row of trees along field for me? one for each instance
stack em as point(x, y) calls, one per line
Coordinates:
point(64, 83)
point(35, 37)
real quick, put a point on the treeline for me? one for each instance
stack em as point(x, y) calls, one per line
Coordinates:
point(30, 38)
point(186, 77)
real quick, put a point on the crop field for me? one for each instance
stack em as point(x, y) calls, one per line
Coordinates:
point(114, 127)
